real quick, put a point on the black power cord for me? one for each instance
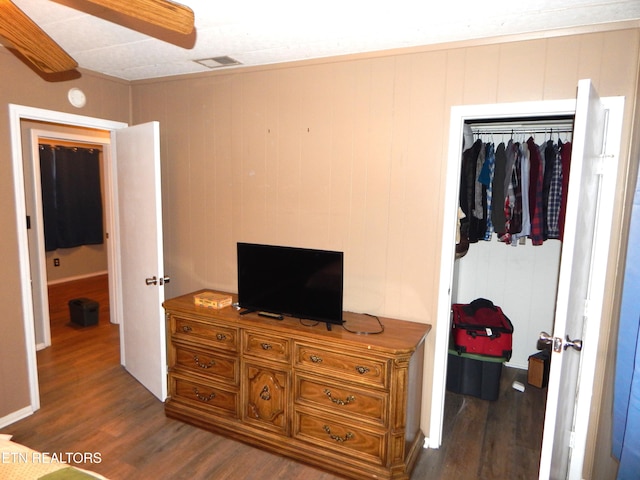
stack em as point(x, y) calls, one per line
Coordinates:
point(367, 333)
point(355, 332)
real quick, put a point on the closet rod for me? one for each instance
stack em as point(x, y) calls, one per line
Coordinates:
point(524, 131)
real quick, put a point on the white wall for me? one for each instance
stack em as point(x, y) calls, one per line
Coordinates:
point(521, 279)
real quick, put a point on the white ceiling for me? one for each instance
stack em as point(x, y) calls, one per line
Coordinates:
point(259, 32)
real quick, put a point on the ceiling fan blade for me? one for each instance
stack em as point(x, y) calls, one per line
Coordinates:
point(31, 41)
point(163, 13)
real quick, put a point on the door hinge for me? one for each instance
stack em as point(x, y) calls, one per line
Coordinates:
point(28, 222)
point(600, 159)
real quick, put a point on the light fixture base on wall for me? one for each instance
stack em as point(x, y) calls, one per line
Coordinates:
point(76, 97)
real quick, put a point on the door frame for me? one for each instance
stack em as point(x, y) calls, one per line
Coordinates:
point(496, 111)
point(459, 114)
point(16, 114)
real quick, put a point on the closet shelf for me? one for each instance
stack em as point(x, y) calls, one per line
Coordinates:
point(522, 126)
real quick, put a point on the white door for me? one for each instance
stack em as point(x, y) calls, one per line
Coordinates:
point(580, 290)
point(142, 330)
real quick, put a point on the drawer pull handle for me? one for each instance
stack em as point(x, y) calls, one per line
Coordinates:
point(186, 328)
point(337, 438)
point(362, 370)
point(266, 346)
point(221, 337)
point(315, 359)
point(337, 401)
point(265, 394)
point(203, 365)
point(203, 398)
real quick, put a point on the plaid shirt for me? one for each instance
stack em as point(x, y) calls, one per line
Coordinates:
point(555, 198)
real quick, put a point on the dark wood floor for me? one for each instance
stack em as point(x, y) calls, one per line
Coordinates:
point(90, 404)
point(489, 440)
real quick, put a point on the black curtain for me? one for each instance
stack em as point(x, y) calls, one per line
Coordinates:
point(71, 196)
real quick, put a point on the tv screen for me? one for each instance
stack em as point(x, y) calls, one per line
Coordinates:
point(296, 282)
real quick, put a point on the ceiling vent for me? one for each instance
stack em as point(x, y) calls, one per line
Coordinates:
point(217, 62)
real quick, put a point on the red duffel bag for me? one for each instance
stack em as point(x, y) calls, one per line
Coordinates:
point(482, 328)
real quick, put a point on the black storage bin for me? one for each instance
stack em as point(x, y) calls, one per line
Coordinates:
point(475, 375)
point(84, 311)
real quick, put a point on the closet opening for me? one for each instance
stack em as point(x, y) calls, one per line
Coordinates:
point(513, 261)
point(508, 250)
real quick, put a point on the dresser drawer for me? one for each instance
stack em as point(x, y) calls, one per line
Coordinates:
point(339, 365)
point(341, 437)
point(201, 362)
point(266, 346)
point(204, 395)
point(338, 399)
point(224, 338)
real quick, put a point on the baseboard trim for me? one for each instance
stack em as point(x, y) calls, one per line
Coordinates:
point(519, 366)
point(15, 416)
point(77, 277)
point(427, 444)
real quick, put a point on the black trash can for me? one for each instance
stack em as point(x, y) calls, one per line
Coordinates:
point(84, 311)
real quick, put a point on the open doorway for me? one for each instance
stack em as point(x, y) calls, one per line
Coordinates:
point(62, 265)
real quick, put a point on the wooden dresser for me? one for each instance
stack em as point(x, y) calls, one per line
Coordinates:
point(344, 402)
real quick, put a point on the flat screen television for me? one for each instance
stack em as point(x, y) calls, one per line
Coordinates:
point(290, 281)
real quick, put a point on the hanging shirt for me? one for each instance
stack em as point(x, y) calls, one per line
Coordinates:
point(478, 204)
point(555, 198)
point(469, 225)
point(550, 153)
point(509, 192)
point(486, 179)
point(535, 194)
point(525, 174)
point(497, 188)
point(515, 224)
